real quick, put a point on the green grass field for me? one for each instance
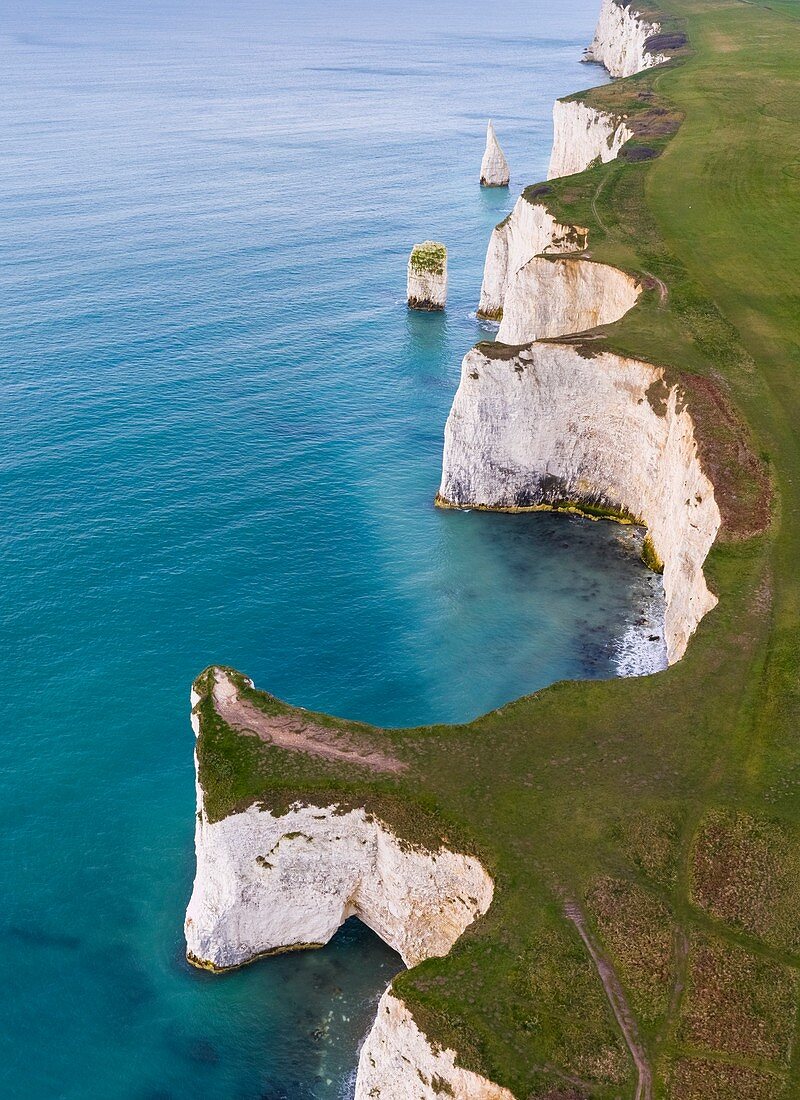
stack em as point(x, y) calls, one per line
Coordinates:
point(668, 807)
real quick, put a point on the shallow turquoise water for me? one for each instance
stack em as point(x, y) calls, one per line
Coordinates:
point(221, 442)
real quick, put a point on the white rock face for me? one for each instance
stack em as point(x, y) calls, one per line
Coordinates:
point(582, 135)
point(427, 281)
point(398, 1063)
point(494, 166)
point(556, 297)
point(528, 231)
point(551, 424)
point(619, 40)
point(266, 884)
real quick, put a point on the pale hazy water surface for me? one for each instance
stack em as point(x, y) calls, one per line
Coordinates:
point(221, 441)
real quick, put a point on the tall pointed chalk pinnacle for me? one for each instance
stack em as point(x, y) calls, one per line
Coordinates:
point(494, 166)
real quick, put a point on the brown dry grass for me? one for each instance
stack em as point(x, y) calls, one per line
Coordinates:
point(745, 871)
point(738, 1003)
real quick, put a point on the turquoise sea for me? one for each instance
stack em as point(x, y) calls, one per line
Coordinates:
point(221, 439)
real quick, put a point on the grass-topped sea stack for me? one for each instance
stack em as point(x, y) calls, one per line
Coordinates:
point(427, 276)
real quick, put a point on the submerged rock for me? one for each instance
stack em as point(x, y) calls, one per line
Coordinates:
point(427, 276)
point(494, 166)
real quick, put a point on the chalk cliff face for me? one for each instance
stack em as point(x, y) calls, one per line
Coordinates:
point(553, 297)
point(266, 884)
point(620, 40)
point(398, 1063)
point(552, 423)
point(528, 231)
point(494, 166)
point(582, 135)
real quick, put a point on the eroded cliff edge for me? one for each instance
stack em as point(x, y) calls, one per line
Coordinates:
point(625, 42)
point(559, 425)
point(268, 883)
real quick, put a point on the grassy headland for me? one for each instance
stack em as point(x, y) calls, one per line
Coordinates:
point(669, 806)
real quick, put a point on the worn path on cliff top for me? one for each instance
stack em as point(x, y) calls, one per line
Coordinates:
point(289, 731)
point(617, 1000)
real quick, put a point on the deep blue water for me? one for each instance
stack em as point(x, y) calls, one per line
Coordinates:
point(221, 441)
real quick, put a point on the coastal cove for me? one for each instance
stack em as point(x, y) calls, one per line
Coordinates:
point(222, 442)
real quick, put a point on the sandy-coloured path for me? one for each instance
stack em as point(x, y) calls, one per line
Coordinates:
point(617, 1000)
point(291, 731)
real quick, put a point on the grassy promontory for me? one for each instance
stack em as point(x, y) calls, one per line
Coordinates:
point(667, 807)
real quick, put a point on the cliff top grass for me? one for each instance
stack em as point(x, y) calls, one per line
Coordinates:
point(429, 257)
point(666, 807)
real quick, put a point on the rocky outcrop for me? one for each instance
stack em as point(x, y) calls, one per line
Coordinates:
point(398, 1063)
point(556, 424)
point(529, 230)
point(269, 883)
point(583, 135)
point(266, 884)
point(620, 40)
point(553, 297)
point(427, 276)
point(494, 166)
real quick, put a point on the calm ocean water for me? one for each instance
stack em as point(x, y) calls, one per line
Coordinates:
point(221, 441)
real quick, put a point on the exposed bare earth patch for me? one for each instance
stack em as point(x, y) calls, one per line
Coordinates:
point(289, 731)
point(740, 478)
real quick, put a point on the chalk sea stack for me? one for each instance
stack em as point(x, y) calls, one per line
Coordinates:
point(427, 276)
point(494, 166)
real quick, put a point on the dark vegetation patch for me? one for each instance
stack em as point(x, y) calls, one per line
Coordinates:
point(498, 352)
point(658, 43)
point(738, 1003)
point(741, 478)
point(704, 1079)
point(634, 152)
point(650, 555)
point(636, 928)
point(746, 873)
point(658, 396)
point(428, 258)
point(560, 1092)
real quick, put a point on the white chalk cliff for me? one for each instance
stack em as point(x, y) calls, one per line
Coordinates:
point(583, 135)
point(398, 1063)
point(529, 230)
point(266, 884)
point(550, 297)
point(554, 423)
point(494, 166)
point(620, 40)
